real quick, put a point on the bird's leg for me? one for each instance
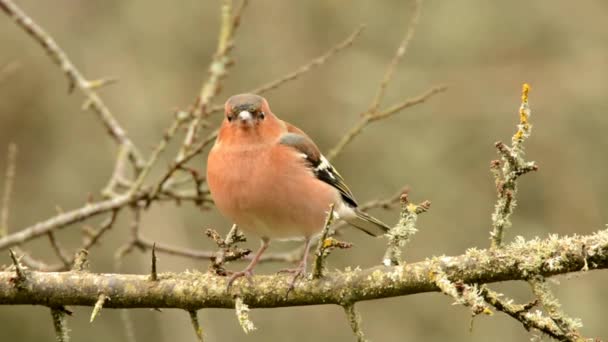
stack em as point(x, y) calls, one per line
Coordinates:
point(301, 269)
point(248, 271)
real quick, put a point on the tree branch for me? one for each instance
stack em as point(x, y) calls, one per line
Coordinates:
point(518, 261)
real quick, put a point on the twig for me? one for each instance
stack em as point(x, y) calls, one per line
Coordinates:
point(9, 179)
point(242, 315)
point(368, 118)
point(104, 227)
point(65, 219)
point(513, 166)
point(75, 77)
point(403, 231)
point(98, 306)
point(178, 164)
point(19, 270)
point(175, 125)
point(218, 69)
point(61, 254)
point(118, 174)
point(60, 322)
point(196, 325)
point(463, 294)
point(313, 64)
point(127, 322)
point(392, 66)
point(81, 261)
point(568, 326)
point(153, 275)
point(320, 253)
point(354, 319)
point(522, 313)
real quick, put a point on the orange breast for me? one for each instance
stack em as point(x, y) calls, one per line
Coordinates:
point(268, 190)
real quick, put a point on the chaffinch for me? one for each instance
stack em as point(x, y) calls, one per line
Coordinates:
point(269, 178)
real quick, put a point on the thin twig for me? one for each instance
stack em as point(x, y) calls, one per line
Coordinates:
point(177, 165)
point(318, 266)
point(568, 326)
point(513, 166)
point(59, 251)
point(354, 320)
point(75, 77)
point(522, 313)
point(311, 65)
point(9, 179)
point(65, 219)
point(366, 119)
point(392, 66)
point(218, 69)
point(175, 125)
point(60, 322)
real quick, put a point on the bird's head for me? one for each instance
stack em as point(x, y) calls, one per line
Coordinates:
point(248, 120)
point(246, 111)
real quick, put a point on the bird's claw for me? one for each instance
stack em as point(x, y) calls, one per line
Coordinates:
point(236, 275)
point(297, 272)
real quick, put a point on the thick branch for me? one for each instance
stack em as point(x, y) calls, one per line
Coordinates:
point(518, 261)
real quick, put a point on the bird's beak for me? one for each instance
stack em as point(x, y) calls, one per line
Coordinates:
point(245, 117)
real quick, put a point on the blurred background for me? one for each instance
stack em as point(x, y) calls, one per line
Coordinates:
point(482, 50)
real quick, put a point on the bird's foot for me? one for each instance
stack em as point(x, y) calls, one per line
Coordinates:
point(247, 273)
point(297, 273)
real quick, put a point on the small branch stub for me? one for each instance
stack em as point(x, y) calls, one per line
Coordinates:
point(322, 247)
point(153, 274)
point(354, 319)
point(196, 325)
point(20, 272)
point(60, 322)
point(402, 233)
point(81, 261)
point(242, 314)
point(98, 306)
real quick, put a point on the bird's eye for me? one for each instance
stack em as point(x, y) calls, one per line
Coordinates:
point(230, 118)
point(262, 115)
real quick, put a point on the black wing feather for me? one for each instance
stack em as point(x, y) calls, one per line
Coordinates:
point(319, 165)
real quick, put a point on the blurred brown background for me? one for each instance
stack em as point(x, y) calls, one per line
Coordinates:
point(483, 50)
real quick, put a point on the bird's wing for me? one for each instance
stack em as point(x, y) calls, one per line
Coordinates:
point(319, 165)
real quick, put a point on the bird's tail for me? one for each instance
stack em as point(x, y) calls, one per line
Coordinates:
point(367, 223)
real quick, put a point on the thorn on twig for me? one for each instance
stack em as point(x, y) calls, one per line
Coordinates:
point(100, 83)
point(323, 246)
point(98, 306)
point(21, 275)
point(196, 325)
point(153, 275)
point(81, 261)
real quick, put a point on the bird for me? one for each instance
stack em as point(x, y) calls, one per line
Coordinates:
point(269, 178)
